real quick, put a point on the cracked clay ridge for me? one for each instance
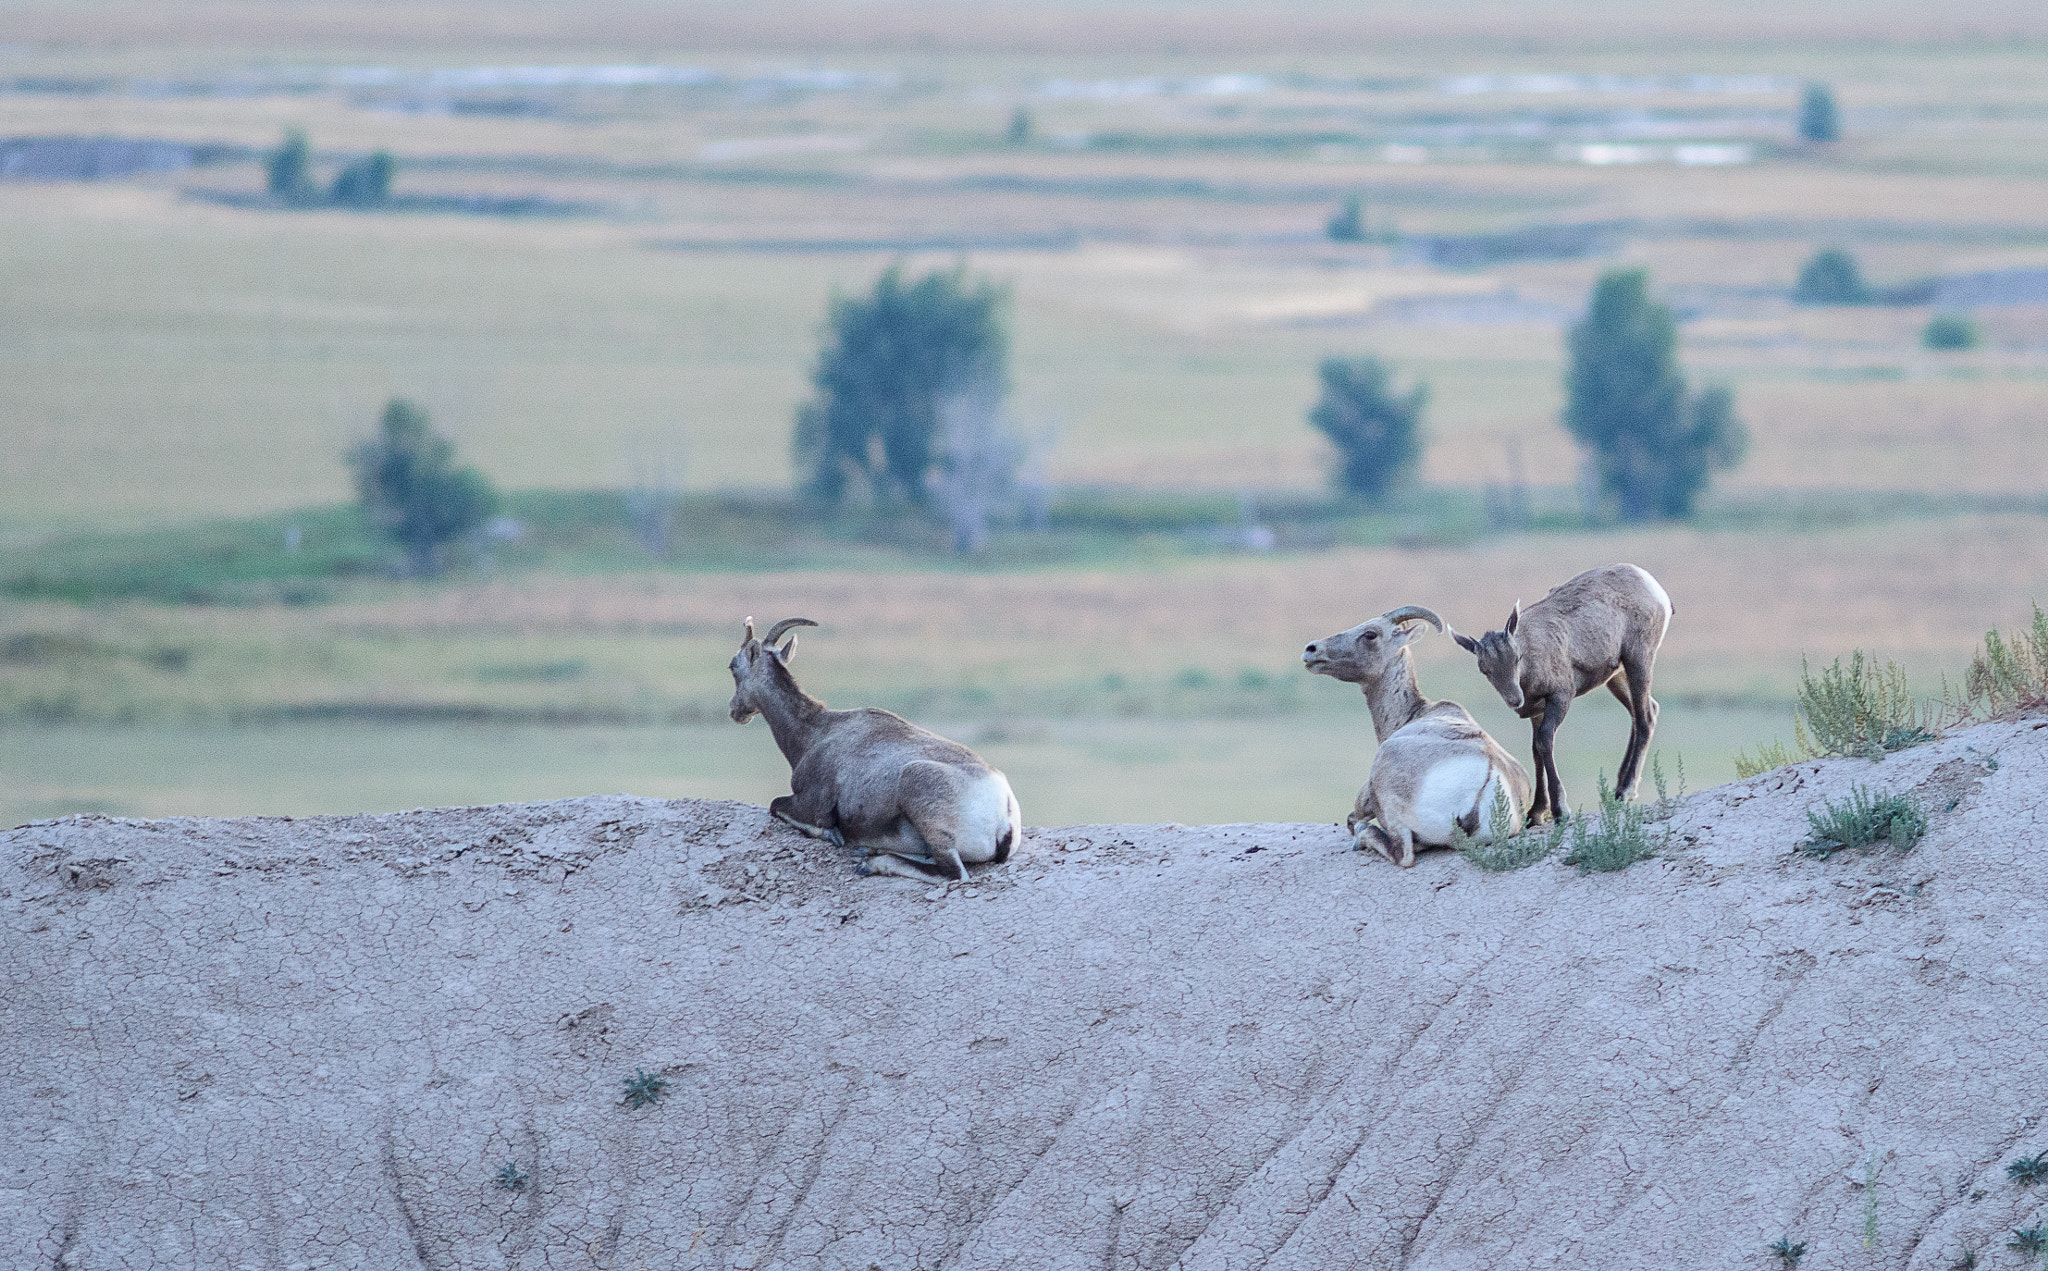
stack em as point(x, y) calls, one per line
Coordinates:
point(315, 1043)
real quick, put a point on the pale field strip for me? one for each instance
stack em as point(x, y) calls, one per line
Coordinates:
point(1749, 607)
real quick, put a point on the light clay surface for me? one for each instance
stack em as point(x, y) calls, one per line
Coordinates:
point(287, 1044)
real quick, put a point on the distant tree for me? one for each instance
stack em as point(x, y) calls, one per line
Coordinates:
point(1819, 121)
point(1831, 278)
point(1347, 223)
point(1948, 332)
point(1626, 401)
point(290, 169)
point(408, 485)
point(891, 359)
point(366, 182)
point(1020, 127)
point(1377, 432)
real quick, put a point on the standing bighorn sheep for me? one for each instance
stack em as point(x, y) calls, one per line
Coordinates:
point(914, 801)
point(1436, 769)
point(1601, 627)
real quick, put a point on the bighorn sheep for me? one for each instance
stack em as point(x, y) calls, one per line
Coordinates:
point(1601, 627)
point(914, 801)
point(1436, 769)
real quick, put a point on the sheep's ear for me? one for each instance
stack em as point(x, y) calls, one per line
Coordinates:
point(1408, 634)
point(1465, 642)
point(788, 647)
point(1514, 618)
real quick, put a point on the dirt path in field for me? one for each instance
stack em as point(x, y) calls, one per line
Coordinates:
point(322, 1043)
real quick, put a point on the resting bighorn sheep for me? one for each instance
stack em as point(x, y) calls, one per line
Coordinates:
point(1601, 627)
point(1436, 769)
point(867, 778)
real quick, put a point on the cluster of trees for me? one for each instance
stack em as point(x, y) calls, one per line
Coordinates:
point(366, 182)
point(1653, 441)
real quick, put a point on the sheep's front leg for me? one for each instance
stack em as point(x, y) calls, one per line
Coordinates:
point(791, 812)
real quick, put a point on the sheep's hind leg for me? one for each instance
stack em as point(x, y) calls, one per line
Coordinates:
point(1642, 715)
point(889, 865)
point(1372, 835)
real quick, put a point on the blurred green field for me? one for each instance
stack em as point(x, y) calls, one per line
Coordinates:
point(1066, 772)
point(182, 369)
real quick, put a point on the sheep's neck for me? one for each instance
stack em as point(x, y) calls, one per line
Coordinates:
point(1394, 699)
point(794, 716)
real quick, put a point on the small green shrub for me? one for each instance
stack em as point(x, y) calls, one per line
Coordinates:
point(1831, 278)
point(1865, 818)
point(1950, 332)
point(1767, 758)
point(2029, 1170)
point(1505, 851)
point(1666, 801)
point(1788, 1253)
point(2009, 676)
point(1347, 223)
point(643, 1088)
point(2032, 1239)
point(366, 182)
point(511, 1178)
point(1819, 118)
point(289, 169)
point(1612, 838)
point(1859, 711)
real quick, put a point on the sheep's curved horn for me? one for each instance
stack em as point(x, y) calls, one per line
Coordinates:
point(1408, 613)
point(775, 632)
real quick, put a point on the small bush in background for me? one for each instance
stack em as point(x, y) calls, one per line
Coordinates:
point(289, 169)
point(1831, 278)
point(1347, 223)
point(1377, 432)
point(1020, 129)
point(511, 1178)
point(1864, 819)
point(412, 491)
point(2028, 1170)
point(1861, 711)
point(1788, 1253)
point(1819, 119)
point(1950, 332)
point(366, 182)
point(1612, 838)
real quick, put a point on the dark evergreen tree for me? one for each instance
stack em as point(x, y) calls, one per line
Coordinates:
point(1819, 121)
point(892, 360)
point(407, 483)
point(290, 169)
point(1377, 432)
point(1626, 401)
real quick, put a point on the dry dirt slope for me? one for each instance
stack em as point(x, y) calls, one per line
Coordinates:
point(277, 1044)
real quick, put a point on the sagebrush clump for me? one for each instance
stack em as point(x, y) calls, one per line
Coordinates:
point(1861, 711)
point(2007, 677)
point(1612, 838)
point(1863, 819)
point(643, 1088)
point(1767, 758)
point(1505, 850)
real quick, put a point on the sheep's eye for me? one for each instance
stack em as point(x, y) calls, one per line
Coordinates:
point(1372, 635)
